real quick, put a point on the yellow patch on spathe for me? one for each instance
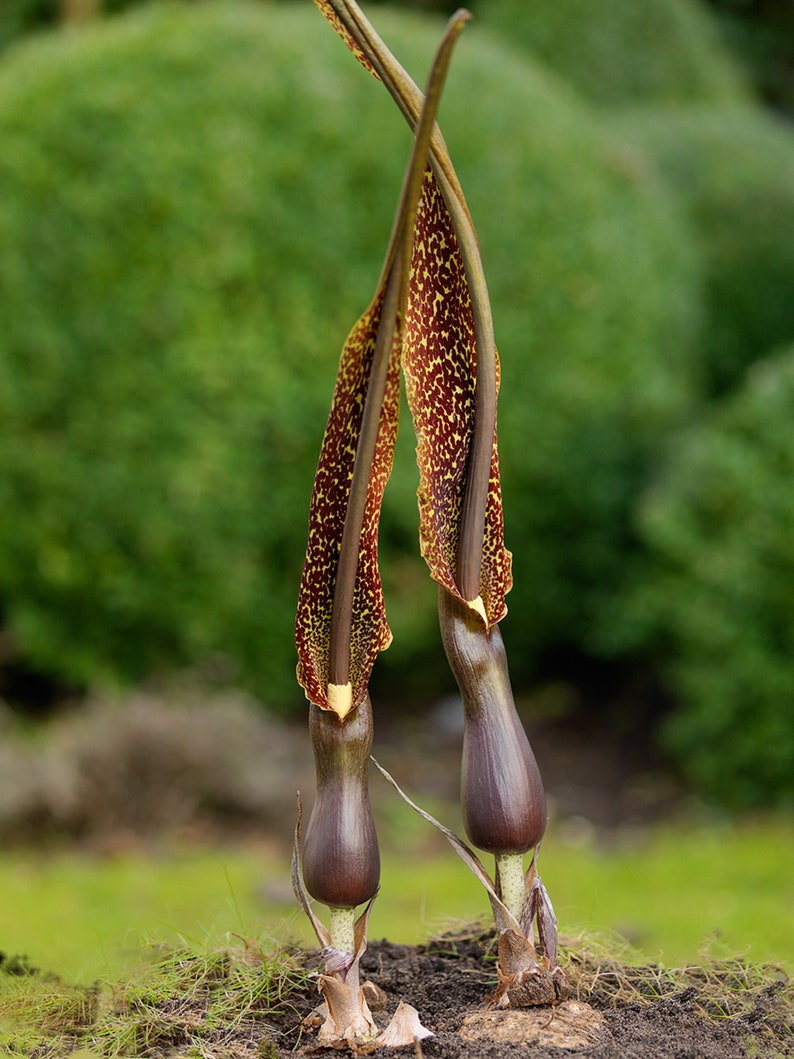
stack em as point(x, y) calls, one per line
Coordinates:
point(478, 607)
point(340, 699)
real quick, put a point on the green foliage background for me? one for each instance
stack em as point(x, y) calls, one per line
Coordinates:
point(717, 591)
point(176, 303)
point(733, 170)
point(196, 200)
point(622, 52)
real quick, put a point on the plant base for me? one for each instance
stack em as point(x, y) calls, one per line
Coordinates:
point(572, 1024)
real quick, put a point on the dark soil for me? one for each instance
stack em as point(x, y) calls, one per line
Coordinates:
point(247, 1004)
point(721, 1012)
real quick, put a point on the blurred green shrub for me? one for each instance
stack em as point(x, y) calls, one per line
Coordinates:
point(717, 599)
point(733, 169)
point(760, 35)
point(622, 51)
point(196, 200)
point(23, 16)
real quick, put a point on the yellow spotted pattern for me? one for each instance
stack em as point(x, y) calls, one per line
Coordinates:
point(370, 630)
point(439, 360)
point(440, 364)
point(340, 28)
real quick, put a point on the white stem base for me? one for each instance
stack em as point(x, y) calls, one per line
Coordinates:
point(343, 934)
point(510, 877)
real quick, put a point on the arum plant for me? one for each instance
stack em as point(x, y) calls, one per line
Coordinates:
point(430, 315)
point(341, 623)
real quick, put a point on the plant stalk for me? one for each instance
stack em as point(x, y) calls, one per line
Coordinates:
point(343, 936)
point(345, 583)
point(394, 280)
point(510, 881)
point(409, 99)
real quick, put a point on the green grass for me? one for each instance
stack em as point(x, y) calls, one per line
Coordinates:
point(200, 998)
point(680, 892)
point(674, 892)
point(221, 1001)
point(85, 917)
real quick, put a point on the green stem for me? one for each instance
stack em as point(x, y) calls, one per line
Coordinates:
point(510, 881)
point(343, 934)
